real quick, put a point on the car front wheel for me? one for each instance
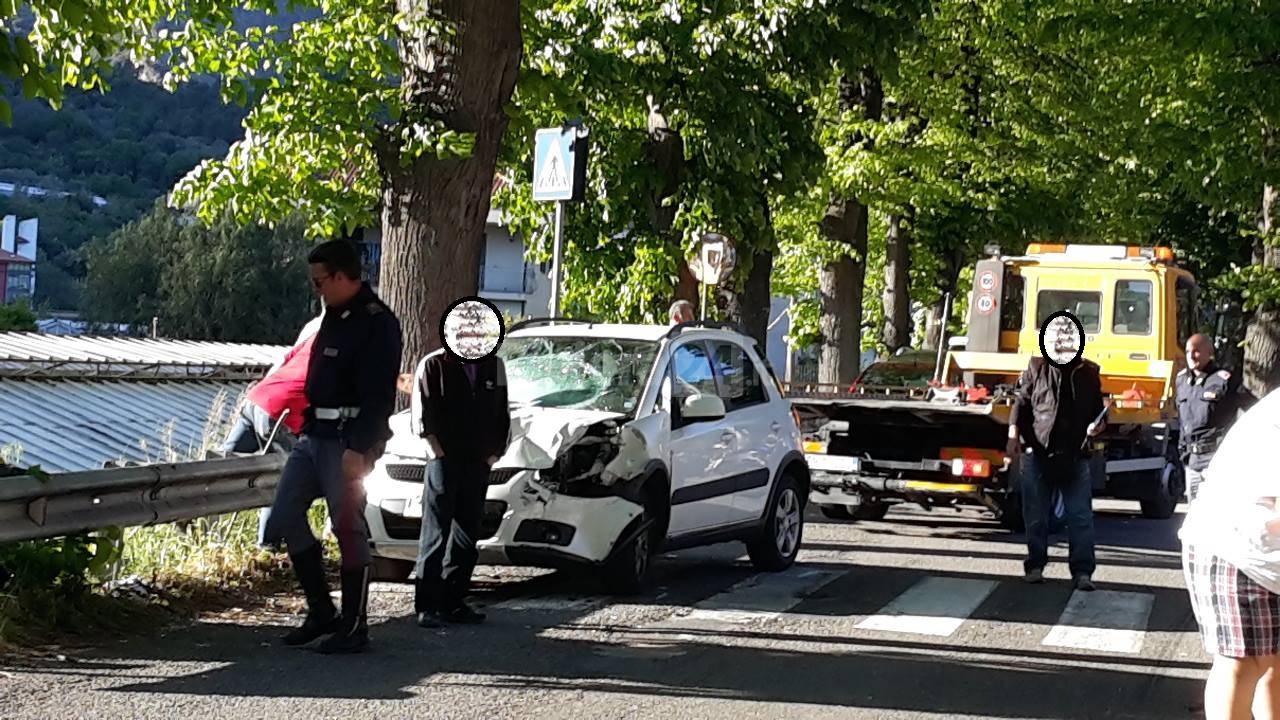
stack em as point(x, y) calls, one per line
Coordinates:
point(776, 547)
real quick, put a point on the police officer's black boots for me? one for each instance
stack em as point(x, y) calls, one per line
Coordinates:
point(353, 634)
point(322, 617)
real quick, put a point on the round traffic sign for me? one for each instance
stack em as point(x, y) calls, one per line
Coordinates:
point(986, 304)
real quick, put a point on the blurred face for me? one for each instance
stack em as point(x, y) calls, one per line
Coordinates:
point(682, 314)
point(1199, 353)
point(472, 330)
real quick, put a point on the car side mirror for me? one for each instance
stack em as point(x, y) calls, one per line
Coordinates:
point(702, 407)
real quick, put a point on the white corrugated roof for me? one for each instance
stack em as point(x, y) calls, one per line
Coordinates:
point(65, 424)
point(37, 355)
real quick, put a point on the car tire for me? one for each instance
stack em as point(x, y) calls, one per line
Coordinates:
point(1163, 500)
point(835, 512)
point(627, 569)
point(390, 569)
point(776, 547)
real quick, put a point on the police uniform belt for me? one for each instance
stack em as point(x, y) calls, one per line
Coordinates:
point(1204, 447)
point(336, 413)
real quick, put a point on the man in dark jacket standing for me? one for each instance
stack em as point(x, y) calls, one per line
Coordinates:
point(465, 420)
point(350, 392)
point(1058, 407)
point(1209, 399)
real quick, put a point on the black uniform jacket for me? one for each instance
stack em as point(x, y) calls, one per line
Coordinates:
point(469, 422)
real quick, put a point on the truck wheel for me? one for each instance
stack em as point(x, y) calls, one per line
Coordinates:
point(835, 512)
point(1164, 497)
point(1011, 512)
point(869, 511)
point(390, 569)
point(777, 546)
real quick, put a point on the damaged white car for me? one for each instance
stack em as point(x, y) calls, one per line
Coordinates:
point(626, 440)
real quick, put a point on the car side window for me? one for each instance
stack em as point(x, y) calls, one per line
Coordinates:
point(692, 372)
point(741, 383)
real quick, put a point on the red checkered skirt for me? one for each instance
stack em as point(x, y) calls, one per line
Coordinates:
point(1237, 616)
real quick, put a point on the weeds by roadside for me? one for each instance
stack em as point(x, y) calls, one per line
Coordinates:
point(165, 573)
point(75, 589)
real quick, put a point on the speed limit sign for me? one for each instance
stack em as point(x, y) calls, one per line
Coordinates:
point(987, 280)
point(986, 304)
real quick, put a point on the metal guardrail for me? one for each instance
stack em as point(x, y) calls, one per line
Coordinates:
point(42, 507)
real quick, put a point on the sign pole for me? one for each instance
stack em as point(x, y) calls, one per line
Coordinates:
point(557, 259)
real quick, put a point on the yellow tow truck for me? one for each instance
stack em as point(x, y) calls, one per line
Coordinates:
point(943, 445)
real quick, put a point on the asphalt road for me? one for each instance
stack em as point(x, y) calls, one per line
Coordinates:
point(919, 616)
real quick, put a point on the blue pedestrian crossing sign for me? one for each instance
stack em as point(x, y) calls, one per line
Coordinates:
point(556, 173)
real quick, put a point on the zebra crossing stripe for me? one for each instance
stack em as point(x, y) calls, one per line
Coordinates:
point(933, 606)
point(1103, 620)
point(760, 597)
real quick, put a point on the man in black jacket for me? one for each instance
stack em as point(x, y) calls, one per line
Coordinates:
point(1058, 407)
point(465, 420)
point(350, 389)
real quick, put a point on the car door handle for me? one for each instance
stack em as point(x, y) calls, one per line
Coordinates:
point(775, 426)
point(728, 436)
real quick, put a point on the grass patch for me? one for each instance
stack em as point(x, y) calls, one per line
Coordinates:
point(165, 574)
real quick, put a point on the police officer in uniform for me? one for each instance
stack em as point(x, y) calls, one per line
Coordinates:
point(1209, 398)
point(351, 387)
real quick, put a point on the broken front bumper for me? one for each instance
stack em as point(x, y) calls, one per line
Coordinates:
point(524, 523)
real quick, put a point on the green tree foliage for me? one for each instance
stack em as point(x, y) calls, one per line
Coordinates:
point(17, 317)
point(128, 146)
point(221, 282)
point(699, 120)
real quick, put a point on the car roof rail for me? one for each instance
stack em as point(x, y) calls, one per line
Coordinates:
point(706, 324)
point(534, 322)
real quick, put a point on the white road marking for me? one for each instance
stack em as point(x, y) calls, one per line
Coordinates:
point(1103, 620)
point(934, 606)
point(759, 597)
point(548, 603)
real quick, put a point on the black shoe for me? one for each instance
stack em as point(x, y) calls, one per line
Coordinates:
point(463, 615)
point(353, 635)
point(430, 620)
point(313, 627)
point(322, 616)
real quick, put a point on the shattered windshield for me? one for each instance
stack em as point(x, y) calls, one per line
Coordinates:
point(605, 374)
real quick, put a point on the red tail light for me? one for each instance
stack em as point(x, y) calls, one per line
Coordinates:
point(963, 467)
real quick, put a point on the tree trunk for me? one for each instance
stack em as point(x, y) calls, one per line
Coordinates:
point(840, 286)
point(433, 210)
point(750, 298)
point(897, 298)
point(665, 152)
point(935, 321)
point(1262, 339)
point(840, 283)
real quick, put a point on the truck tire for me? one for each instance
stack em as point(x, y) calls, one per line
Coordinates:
point(1011, 512)
point(776, 547)
point(869, 511)
point(1163, 500)
point(835, 512)
point(390, 569)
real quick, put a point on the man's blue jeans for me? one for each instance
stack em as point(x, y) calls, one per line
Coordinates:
point(1037, 511)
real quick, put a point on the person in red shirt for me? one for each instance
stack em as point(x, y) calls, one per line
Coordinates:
point(282, 389)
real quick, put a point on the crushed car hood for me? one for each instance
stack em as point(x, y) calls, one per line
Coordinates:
point(540, 435)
